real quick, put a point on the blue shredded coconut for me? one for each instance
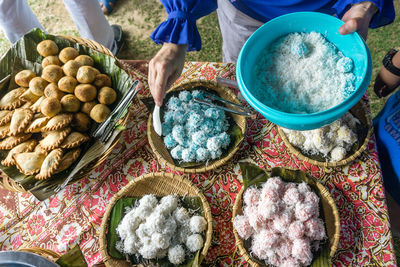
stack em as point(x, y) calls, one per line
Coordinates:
point(169, 141)
point(195, 120)
point(176, 152)
point(225, 139)
point(216, 154)
point(185, 96)
point(345, 64)
point(199, 138)
point(179, 117)
point(197, 94)
point(299, 49)
point(166, 128)
point(188, 155)
point(174, 103)
point(202, 154)
point(196, 107)
point(169, 117)
point(178, 132)
point(214, 143)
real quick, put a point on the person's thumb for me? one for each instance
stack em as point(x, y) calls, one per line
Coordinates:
point(348, 27)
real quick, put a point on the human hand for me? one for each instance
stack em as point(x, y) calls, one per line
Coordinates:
point(164, 68)
point(357, 18)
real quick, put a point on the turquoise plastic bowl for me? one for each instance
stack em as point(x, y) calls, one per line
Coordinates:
point(351, 45)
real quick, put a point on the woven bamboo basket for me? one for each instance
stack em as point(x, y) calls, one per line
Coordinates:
point(332, 222)
point(360, 112)
point(47, 253)
point(157, 143)
point(159, 184)
point(9, 184)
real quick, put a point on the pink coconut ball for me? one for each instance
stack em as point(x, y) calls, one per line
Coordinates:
point(301, 250)
point(274, 259)
point(282, 222)
point(256, 221)
point(290, 262)
point(266, 238)
point(296, 230)
point(268, 211)
point(304, 188)
point(292, 197)
point(242, 226)
point(311, 198)
point(315, 229)
point(269, 194)
point(289, 185)
point(275, 183)
point(258, 249)
point(285, 248)
point(251, 196)
point(304, 212)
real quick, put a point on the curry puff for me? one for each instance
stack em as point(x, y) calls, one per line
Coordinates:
point(50, 164)
point(27, 146)
point(74, 139)
point(36, 106)
point(29, 163)
point(58, 122)
point(20, 120)
point(11, 100)
point(4, 130)
point(68, 159)
point(5, 116)
point(53, 139)
point(29, 96)
point(12, 141)
point(37, 123)
point(40, 149)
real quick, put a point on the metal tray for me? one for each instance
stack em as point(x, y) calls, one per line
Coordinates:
point(24, 259)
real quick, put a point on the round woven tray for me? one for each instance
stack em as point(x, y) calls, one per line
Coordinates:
point(332, 222)
point(157, 143)
point(360, 112)
point(47, 253)
point(9, 184)
point(159, 184)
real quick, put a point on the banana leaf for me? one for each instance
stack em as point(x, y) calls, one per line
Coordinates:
point(234, 130)
point(73, 257)
point(255, 176)
point(118, 213)
point(23, 54)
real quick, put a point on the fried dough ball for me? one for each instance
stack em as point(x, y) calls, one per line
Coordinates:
point(85, 60)
point(81, 122)
point(87, 107)
point(50, 60)
point(52, 90)
point(107, 95)
point(102, 80)
point(85, 92)
point(99, 113)
point(52, 73)
point(67, 84)
point(23, 77)
point(67, 54)
point(37, 85)
point(70, 103)
point(86, 74)
point(47, 48)
point(50, 106)
point(71, 68)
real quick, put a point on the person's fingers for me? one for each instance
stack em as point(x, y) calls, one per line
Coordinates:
point(160, 83)
point(349, 26)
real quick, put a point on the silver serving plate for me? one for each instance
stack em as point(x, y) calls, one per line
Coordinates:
point(24, 259)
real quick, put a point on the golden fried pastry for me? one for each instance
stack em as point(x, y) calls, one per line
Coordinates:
point(86, 74)
point(50, 106)
point(29, 163)
point(57, 122)
point(52, 90)
point(41, 150)
point(67, 54)
point(99, 113)
point(85, 60)
point(27, 105)
point(12, 141)
point(102, 80)
point(20, 120)
point(53, 139)
point(37, 85)
point(29, 96)
point(107, 95)
point(68, 159)
point(37, 123)
point(23, 77)
point(52, 73)
point(36, 106)
point(70, 103)
point(5, 116)
point(85, 92)
point(11, 100)
point(50, 164)
point(4, 130)
point(87, 107)
point(47, 48)
point(74, 139)
point(50, 60)
point(81, 122)
point(71, 68)
point(67, 84)
point(27, 146)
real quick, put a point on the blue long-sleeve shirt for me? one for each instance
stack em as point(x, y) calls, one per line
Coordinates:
point(180, 27)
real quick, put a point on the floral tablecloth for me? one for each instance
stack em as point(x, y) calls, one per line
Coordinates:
point(74, 215)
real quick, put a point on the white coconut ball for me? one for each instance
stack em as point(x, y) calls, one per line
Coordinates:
point(176, 254)
point(338, 153)
point(194, 242)
point(181, 215)
point(159, 241)
point(168, 204)
point(197, 224)
point(148, 252)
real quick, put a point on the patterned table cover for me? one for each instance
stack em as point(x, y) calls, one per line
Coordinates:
point(74, 215)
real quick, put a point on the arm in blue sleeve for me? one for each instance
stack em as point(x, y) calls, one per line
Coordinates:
point(384, 16)
point(180, 27)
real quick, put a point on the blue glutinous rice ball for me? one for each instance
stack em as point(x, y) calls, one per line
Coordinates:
point(197, 94)
point(174, 103)
point(185, 96)
point(176, 152)
point(199, 138)
point(345, 64)
point(220, 126)
point(169, 141)
point(214, 143)
point(214, 113)
point(166, 128)
point(179, 116)
point(299, 49)
point(225, 139)
point(194, 120)
point(216, 154)
point(202, 154)
point(196, 107)
point(184, 142)
point(188, 155)
point(169, 116)
point(193, 147)
point(208, 125)
point(178, 132)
